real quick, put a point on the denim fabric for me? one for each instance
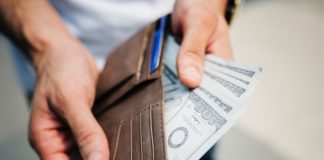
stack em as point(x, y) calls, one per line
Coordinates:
point(24, 69)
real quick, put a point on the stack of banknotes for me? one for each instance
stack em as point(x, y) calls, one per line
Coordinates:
point(196, 119)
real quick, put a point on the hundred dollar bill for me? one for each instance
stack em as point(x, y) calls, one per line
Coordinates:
point(170, 53)
point(231, 76)
point(194, 129)
point(228, 107)
point(172, 87)
point(230, 87)
point(229, 68)
point(232, 68)
point(225, 75)
point(196, 119)
point(175, 94)
point(212, 82)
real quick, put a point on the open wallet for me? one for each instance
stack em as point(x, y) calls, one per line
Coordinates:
point(129, 103)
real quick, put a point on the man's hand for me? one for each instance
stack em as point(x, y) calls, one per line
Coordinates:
point(201, 28)
point(61, 117)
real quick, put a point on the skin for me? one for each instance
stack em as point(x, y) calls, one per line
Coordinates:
point(201, 29)
point(61, 116)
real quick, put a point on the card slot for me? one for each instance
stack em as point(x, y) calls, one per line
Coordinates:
point(106, 98)
point(116, 142)
point(113, 135)
point(146, 136)
point(151, 132)
point(132, 138)
point(136, 138)
point(146, 97)
point(146, 73)
point(124, 148)
point(134, 102)
point(110, 124)
point(145, 70)
point(158, 132)
point(110, 98)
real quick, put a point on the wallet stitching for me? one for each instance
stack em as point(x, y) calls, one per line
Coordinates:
point(162, 134)
point(134, 115)
point(162, 126)
point(140, 130)
point(149, 107)
point(117, 141)
point(131, 138)
point(151, 132)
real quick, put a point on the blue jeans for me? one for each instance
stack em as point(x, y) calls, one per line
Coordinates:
point(24, 69)
point(211, 154)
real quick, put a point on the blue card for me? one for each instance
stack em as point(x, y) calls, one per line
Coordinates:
point(157, 44)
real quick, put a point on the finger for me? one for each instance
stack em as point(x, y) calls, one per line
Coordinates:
point(191, 54)
point(87, 132)
point(44, 137)
point(221, 45)
point(50, 144)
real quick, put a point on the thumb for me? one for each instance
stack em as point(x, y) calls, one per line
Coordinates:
point(191, 55)
point(88, 134)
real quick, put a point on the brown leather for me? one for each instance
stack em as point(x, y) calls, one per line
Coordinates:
point(129, 104)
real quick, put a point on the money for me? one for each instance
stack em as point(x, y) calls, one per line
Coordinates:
point(196, 119)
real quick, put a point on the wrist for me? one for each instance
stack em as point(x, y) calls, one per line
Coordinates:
point(61, 51)
point(43, 45)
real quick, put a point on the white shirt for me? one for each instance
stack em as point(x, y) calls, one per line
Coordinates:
point(101, 25)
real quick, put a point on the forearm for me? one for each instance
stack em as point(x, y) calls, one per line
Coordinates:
point(218, 6)
point(221, 5)
point(33, 25)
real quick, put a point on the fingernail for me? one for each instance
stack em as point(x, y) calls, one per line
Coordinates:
point(193, 74)
point(95, 156)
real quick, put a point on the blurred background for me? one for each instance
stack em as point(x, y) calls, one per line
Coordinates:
point(285, 115)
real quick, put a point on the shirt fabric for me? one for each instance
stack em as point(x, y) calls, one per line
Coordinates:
point(101, 25)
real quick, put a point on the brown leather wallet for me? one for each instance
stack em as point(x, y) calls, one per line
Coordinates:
point(129, 103)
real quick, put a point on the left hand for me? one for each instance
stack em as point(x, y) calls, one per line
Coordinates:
point(201, 28)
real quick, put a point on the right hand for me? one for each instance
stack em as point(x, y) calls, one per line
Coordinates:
point(61, 116)
point(201, 27)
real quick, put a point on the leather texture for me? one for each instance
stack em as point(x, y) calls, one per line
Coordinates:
point(129, 104)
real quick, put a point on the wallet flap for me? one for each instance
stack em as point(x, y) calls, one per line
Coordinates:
point(127, 67)
point(125, 62)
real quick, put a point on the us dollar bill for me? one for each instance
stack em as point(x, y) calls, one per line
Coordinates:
point(171, 85)
point(195, 128)
point(246, 72)
point(226, 75)
point(196, 119)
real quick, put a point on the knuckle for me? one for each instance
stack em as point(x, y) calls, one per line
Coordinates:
point(200, 17)
point(65, 100)
point(85, 136)
point(59, 97)
point(206, 20)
